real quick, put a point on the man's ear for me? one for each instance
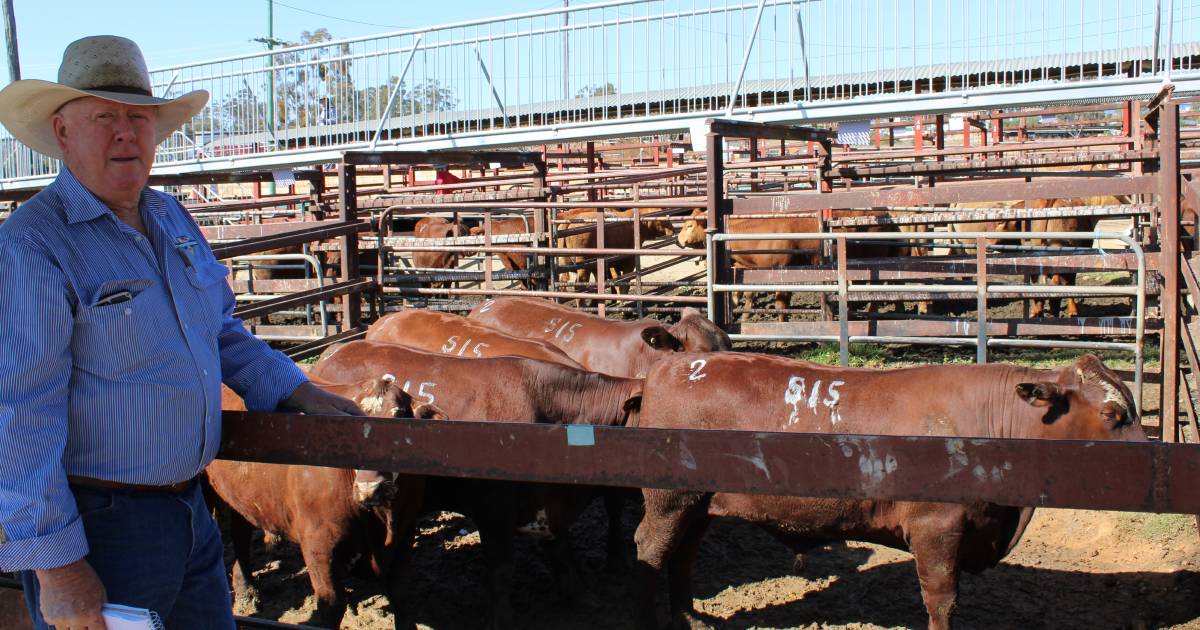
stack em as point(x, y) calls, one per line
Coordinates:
point(660, 338)
point(1039, 394)
point(59, 123)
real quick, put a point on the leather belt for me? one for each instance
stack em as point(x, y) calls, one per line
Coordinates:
point(104, 484)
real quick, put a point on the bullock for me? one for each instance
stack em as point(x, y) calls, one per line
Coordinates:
point(750, 254)
point(599, 344)
point(437, 227)
point(331, 513)
point(511, 262)
point(432, 331)
point(617, 235)
point(1081, 401)
point(497, 389)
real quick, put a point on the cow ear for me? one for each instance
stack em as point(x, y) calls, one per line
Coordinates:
point(426, 411)
point(477, 230)
point(660, 338)
point(1039, 394)
point(632, 407)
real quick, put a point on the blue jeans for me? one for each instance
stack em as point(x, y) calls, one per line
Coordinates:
point(153, 550)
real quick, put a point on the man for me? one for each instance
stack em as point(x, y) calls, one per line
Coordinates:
point(118, 332)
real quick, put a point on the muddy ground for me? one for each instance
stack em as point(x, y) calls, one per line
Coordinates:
point(1073, 569)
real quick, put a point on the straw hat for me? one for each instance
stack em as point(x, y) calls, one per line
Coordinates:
point(105, 66)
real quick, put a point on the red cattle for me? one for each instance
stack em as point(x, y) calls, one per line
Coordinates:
point(433, 331)
point(330, 512)
point(511, 262)
point(602, 345)
point(752, 254)
point(766, 393)
point(618, 234)
point(437, 227)
point(498, 389)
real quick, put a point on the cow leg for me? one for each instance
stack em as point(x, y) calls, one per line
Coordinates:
point(245, 596)
point(679, 572)
point(668, 516)
point(1036, 305)
point(1066, 280)
point(317, 545)
point(394, 555)
point(614, 507)
point(782, 302)
point(497, 541)
point(935, 549)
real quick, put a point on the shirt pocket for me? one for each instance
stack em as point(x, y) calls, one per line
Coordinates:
point(116, 340)
point(208, 278)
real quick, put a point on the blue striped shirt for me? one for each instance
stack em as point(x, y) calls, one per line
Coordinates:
point(129, 391)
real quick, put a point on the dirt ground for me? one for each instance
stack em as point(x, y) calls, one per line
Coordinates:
point(1073, 569)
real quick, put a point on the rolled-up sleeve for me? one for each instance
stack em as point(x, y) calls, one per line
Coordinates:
point(262, 376)
point(38, 516)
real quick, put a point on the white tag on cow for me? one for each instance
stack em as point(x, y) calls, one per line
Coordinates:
point(284, 178)
point(854, 132)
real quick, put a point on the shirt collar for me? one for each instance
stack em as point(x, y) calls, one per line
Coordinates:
point(81, 204)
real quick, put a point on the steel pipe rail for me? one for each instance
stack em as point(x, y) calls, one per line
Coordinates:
point(1143, 477)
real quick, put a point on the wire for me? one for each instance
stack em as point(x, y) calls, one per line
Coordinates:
point(334, 17)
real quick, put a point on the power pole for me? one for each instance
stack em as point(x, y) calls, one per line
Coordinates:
point(10, 36)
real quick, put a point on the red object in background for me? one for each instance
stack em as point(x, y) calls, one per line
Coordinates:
point(445, 177)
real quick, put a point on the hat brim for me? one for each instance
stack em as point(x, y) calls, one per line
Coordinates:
point(26, 107)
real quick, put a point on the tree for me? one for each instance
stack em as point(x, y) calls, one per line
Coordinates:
point(596, 90)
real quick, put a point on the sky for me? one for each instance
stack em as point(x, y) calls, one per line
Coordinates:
point(179, 31)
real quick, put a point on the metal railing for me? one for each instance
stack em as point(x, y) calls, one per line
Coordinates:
point(981, 288)
point(618, 61)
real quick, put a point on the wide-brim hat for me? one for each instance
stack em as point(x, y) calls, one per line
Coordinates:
point(105, 66)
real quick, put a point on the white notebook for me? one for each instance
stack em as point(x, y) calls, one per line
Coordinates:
point(118, 617)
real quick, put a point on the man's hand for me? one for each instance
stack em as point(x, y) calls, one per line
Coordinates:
point(71, 597)
point(310, 399)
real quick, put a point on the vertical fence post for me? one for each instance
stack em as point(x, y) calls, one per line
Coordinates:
point(348, 191)
point(981, 280)
point(843, 286)
point(1168, 200)
point(601, 264)
point(718, 271)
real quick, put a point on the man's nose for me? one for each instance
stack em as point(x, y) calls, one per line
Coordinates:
point(124, 129)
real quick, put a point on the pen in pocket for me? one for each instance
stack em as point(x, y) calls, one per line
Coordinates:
point(115, 298)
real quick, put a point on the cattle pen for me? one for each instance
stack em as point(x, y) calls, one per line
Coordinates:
point(923, 223)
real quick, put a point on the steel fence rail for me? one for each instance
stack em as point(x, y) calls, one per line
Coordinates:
point(665, 63)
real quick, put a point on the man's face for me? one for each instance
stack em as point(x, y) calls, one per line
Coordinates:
point(108, 146)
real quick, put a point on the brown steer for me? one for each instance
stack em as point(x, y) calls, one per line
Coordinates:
point(459, 336)
point(618, 234)
point(765, 393)
point(329, 512)
point(602, 345)
point(747, 254)
point(498, 389)
point(437, 227)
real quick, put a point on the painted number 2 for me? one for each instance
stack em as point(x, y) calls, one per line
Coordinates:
point(798, 394)
point(697, 370)
point(452, 343)
point(566, 329)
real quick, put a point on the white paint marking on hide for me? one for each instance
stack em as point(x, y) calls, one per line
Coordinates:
point(697, 370)
point(487, 305)
point(958, 457)
point(388, 378)
point(793, 396)
point(814, 395)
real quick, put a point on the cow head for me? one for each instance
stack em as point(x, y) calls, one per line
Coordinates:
point(698, 334)
point(655, 228)
point(1086, 401)
point(691, 234)
point(382, 397)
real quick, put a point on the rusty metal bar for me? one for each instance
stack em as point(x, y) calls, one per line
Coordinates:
point(765, 131)
point(981, 298)
point(950, 193)
point(347, 187)
point(313, 296)
point(682, 299)
point(1037, 161)
point(1168, 200)
point(975, 215)
point(313, 348)
point(290, 237)
point(1143, 477)
point(1082, 326)
point(461, 158)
